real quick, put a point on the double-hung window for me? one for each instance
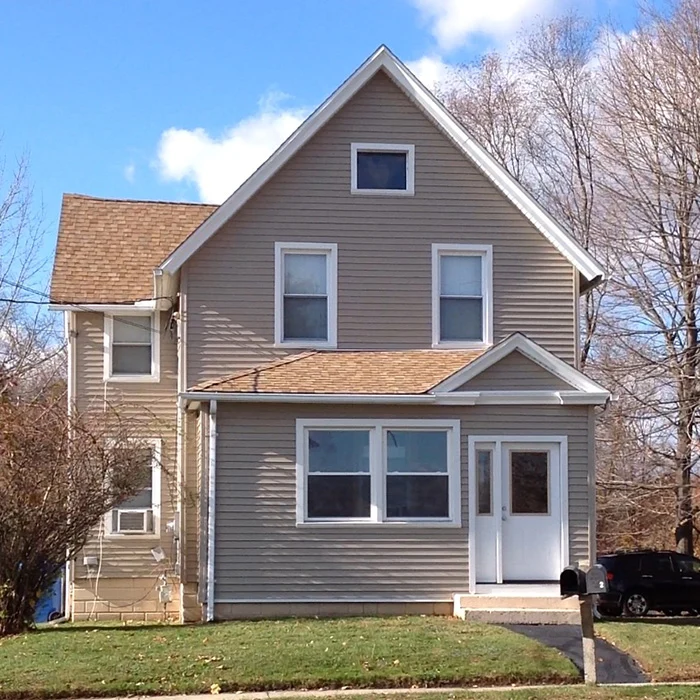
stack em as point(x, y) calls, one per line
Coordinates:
point(462, 306)
point(131, 347)
point(140, 514)
point(386, 471)
point(305, 294)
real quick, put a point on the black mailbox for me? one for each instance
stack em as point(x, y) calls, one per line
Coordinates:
point(596, 580)
point(572, 581)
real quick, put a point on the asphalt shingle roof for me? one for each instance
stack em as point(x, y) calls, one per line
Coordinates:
point(107, 248)
point(347, 372)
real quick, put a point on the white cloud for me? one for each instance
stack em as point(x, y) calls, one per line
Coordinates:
point(430, 70)
point(130, 172)
point(217, 166)
point(452, 21)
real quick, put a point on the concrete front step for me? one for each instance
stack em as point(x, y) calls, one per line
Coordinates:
point(531, 607)
point(521, 616)
point(488, 602)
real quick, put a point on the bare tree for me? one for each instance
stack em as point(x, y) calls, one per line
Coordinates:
point(28, 343)
point(59, 475)
point(650, 148)
point(535, 113)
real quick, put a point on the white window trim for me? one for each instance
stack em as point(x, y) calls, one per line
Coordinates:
point(154, 376)
point(486, 254)
point(331, 252)
point(377, 471)
point(407, 148)
point(156, 472)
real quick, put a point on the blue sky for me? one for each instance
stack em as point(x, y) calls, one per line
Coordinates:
point(182, 100)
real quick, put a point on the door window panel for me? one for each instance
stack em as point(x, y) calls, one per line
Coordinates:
point(484, 475)
point(529, 482)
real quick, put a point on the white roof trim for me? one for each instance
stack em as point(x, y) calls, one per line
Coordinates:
point(533, 352)
point(145, 306)
point(190, 399)
point(383, 58)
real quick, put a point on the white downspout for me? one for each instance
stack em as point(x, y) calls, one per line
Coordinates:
point(211, 520)
point(69, 335)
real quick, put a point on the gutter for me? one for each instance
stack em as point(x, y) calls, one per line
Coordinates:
point(454, 398)
point(211, 513)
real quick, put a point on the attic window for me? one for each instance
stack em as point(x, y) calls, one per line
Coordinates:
point(382, 168)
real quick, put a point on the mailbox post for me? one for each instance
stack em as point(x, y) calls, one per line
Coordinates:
point(574, 581)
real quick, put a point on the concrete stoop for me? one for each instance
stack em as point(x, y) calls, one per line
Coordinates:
point(524, 610)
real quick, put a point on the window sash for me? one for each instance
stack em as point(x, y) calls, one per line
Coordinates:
point(379, 474)
point(150, 513)
point(113, 341)
point(310, 324)
point(465, 334)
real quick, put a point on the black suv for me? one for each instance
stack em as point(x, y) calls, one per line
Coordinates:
point(640, 581)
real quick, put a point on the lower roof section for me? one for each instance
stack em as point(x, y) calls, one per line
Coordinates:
point(404, 376)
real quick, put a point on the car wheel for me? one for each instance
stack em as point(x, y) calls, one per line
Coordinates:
point(636, 604)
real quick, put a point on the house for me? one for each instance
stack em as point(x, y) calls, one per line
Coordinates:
point(358, 376)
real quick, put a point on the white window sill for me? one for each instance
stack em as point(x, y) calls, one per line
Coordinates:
point(375, 524)
point(141, 536)
point(383, 193)
point(133, 379)
point(307, 344)
point(462, 345)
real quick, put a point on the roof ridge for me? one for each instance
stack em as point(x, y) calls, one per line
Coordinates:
point(258, 368)
point(128, 200)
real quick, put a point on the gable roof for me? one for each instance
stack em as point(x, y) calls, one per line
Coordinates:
point(107, 248)
point(347, 372)
point(384, 59)
point(517, 342)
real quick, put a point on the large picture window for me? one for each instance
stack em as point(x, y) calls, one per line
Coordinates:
point(461, 295)
point(305, 294)
point(378, 471)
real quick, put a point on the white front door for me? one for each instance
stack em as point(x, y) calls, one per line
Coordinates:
point(518, 521)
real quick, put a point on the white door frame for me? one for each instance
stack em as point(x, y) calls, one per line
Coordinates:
point(498, 441)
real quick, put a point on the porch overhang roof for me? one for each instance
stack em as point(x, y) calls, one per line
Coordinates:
point(395, 376)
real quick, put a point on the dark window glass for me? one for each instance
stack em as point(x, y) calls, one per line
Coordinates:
point(483, 482)
point(461, 319)
point(305, 318)
point(529, 483)
point(417, 484)
point(377, 170)
point(344, 496)
point(338, 482)
point(131, 359)
point(687, 565)
point(417, 496)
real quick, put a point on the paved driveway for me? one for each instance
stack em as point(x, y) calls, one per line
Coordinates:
point(613, 666)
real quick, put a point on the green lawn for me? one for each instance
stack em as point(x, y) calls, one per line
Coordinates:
point(80, 660)
point(552, 693)
point(667, 649)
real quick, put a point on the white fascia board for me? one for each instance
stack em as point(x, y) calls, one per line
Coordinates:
point(384, 58)
point(135, 307)
point(308, 398)
point(521, 398)
point(518, 342)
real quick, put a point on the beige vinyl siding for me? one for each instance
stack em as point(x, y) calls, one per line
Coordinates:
point(151, 409)
point(515, 372)
point(262, 554)
point(384, 246)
